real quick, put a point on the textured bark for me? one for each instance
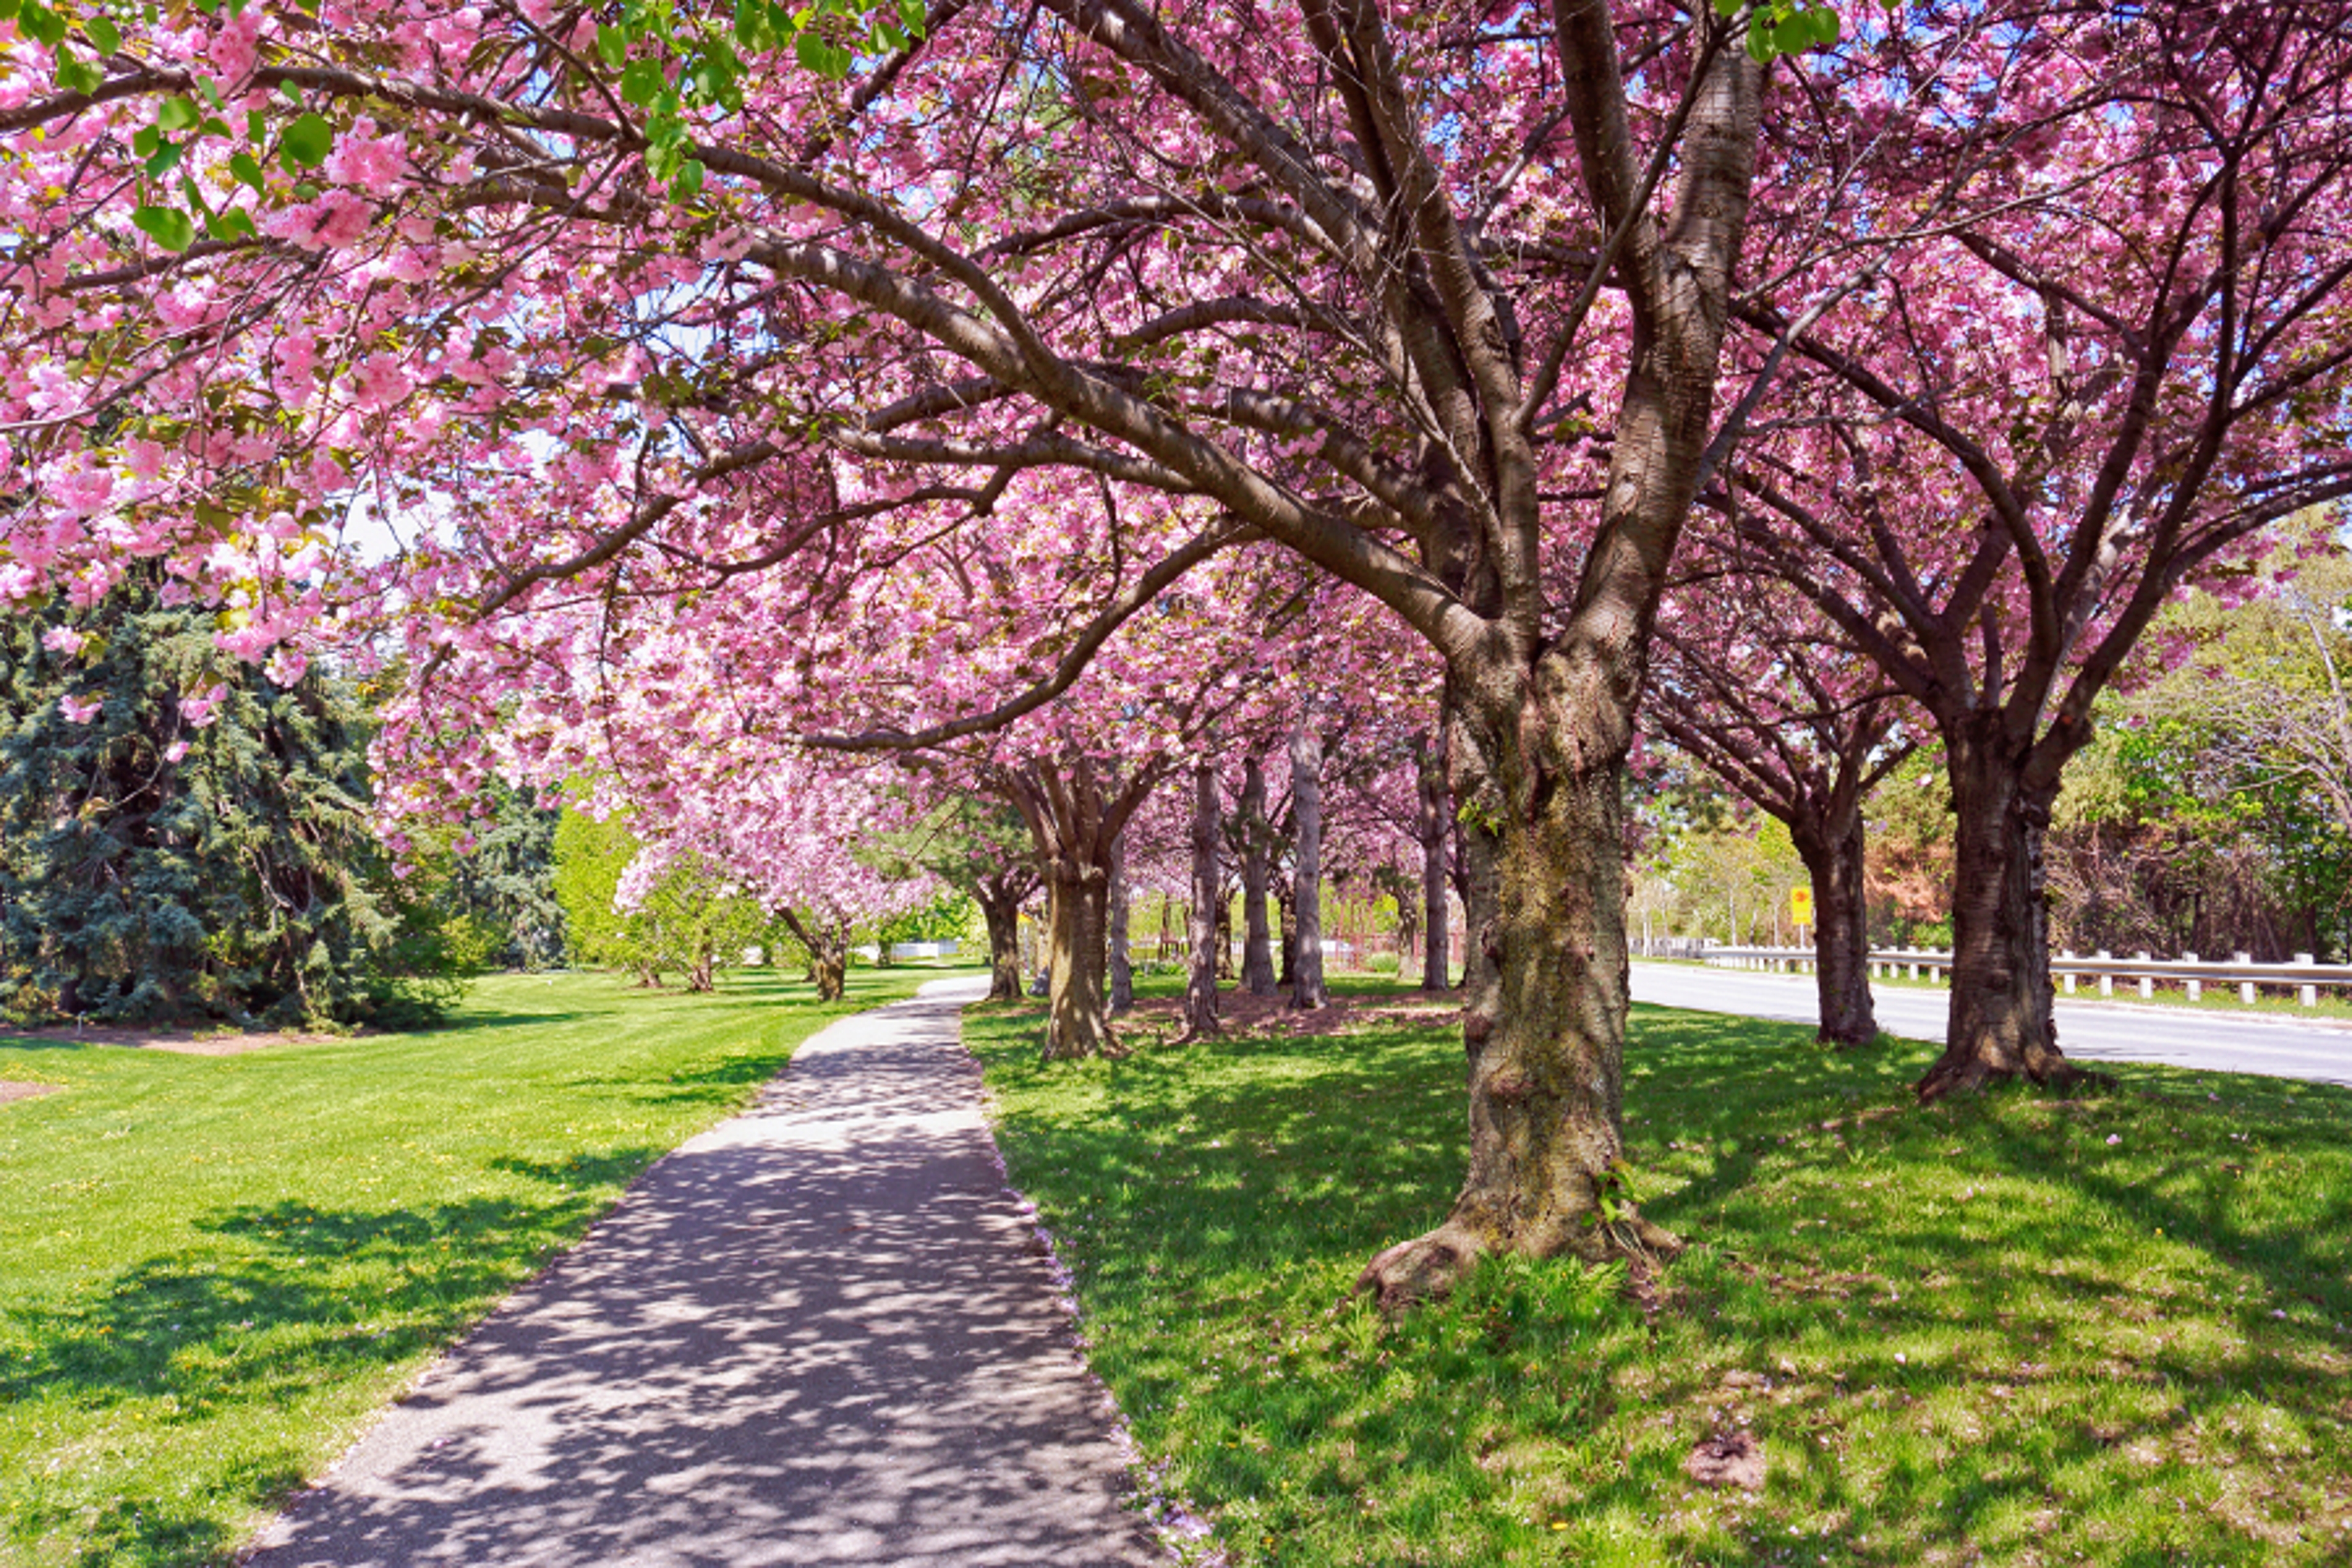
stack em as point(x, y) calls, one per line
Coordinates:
point(828, 953)
point(1285, 918)
point(1076, 812)
point(702, 975)
point(1257, 939)
point(1000, 909)
point(1541, 704)
point(1078, 1018)
point(1119, 913)
point(1201, 983)
point(1433, 826)
point(1833, 852)
point(2000, 1024)
point(1546, 1001)
point(1307, 987)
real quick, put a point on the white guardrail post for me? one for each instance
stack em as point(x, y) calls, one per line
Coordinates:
point(2107, 981)
point(2306, 995)
point(2196, 986)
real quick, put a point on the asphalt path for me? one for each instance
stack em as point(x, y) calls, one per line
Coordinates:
point(2087, 1031)
point(822, 1333)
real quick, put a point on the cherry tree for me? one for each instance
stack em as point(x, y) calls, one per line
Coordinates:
point(1749, 682)
point(1432, 302)
point(2124, 360)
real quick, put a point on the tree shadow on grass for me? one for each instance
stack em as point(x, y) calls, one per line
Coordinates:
point(292, 1300)
point(1240, 1183)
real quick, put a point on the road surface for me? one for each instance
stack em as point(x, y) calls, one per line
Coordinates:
point(2089, 1031)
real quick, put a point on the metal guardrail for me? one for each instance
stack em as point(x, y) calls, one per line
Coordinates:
point(2305, 974)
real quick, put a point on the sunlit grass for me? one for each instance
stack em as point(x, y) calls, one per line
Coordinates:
point(212, 1269)
point(2013, 1330)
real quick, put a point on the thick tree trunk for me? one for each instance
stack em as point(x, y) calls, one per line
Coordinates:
point(1434, 828)
point(703, 976)
point(1833, 854)
point(1546, 998)
point(1077, 1022)
point(1307, 987)
point(1207, 938)
point(828, 954)
point(2000, 1024)
point(1001, 908)
point(1119, 912)
point(1257, 939)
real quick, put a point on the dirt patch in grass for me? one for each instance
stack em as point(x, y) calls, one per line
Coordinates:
point(179, 1042)
point(11, 1090)
point(1273, 1017)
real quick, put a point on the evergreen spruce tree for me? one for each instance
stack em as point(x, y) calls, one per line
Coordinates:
point(183, 839)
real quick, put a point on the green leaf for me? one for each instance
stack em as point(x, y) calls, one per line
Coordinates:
point(104, 34)
point(1825, 26)
point(247, 168)
point(229, 225)
point(165, 159)
point(308, 141)
point(911, 17)
point(1728, 9)
point(145, 142)
point(9, 10)
point(167, 227)
point(175, 113)
point(79, 75)
point(643, 82)
point(688, 182)
point(612, 45)
point(41, 24)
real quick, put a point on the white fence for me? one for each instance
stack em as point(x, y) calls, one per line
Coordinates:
point(2305, 977)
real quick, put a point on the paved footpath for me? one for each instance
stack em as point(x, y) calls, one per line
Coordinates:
point(821, 1333)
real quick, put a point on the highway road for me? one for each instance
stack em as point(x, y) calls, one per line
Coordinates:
point(2116, 1032)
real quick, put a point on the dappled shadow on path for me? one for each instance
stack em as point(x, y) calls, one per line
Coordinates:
point(821, 1333)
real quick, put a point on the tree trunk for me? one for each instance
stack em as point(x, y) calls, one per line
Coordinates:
point(2000, 1024)
point(828, 953)
point(1076, 813)
point(1207, 938)
point(1078, 1022)
point(1833, 854)
point(1546, 998)
point(1001, 908)
point(704, 974)
point(1432, 827)
point(1118, 912)
point(1307, 988)
point(1257, 941)
point(1285, 916)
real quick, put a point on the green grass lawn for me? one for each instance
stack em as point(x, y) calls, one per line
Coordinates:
point(2016, 1330)
point(212, 1269)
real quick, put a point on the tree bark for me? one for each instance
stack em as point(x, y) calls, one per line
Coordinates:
point(1076, 812)
point(1077, 1019)
point(2001, 1023)
point(703, 975)
point(1307, 988)
point(1833, 852)
point(1257, 941)
point(1207, 938)
point(828, 953)
point(1118, 912)
point(1434, 829)
point(1000, 906)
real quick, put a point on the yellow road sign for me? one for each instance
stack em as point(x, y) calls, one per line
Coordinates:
point(1800, 905)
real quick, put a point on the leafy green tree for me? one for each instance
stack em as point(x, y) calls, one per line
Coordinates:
point(689, 919)
point(182, 838)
